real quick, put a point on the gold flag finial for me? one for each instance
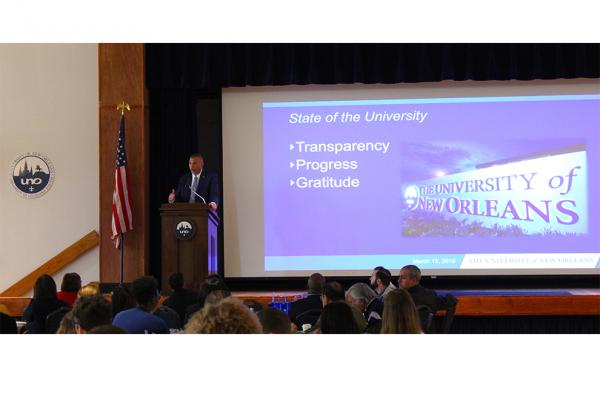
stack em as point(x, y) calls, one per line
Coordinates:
point(123, 106)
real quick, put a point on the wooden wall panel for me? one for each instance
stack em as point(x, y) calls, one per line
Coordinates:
point(122, 78)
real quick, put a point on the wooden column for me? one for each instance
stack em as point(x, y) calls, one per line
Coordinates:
point(122, 78)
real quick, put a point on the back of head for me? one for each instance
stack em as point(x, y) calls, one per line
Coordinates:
point(361, 292)
point(176, 281)
point(228, 316)
point(316, 283)
point(274, 321)
point(122, 299)
point(384, 276)
point(212, 283)
point(44, 288)
point(399, 313)
point(334, 291)
point(71, 282)
point(92, 311)
point(216, 296)
point(91, 289)
point(107, 329)
point(338, 318)
point(145, 291)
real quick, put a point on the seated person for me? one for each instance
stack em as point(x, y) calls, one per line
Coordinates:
point(399, 313)
point(71, 283)
point(381, 281)
point(91, 289)
point(140, 319)
point(275, 321)
point(334, 293)
point(409, 278)
point(180, 298)
point(90, 312)
point(122, 299)
point(211, 283)
point(227, 316)
point(106, 329)
point(316, 284)
point(338, 318)
point(362, 297)
point(43, 303)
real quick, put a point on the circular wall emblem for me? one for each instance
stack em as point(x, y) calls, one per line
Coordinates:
point(184, 230)
point(32, 175)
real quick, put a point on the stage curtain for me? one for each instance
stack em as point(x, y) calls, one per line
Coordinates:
point(201, 66)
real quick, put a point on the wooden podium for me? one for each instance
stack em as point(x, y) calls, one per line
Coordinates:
point(189, 242)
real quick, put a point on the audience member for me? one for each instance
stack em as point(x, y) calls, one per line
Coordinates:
point(312, 301)
point(91, 289)
point(107, 329)
point(216, 296)
point(71, 283)
point(362, 297)
point(409, 278)
point(139, 319)
point(122, 299)
point(211, 283)
point(169, 316)
point(400, 313)
point(227, 316)
point(181, 298)
point(338, 317)
point(381, 281)
point(67, 324)
point(275, 321)
point(7, 323)
point(43, 303)
point(90, 312)
point(334, 293)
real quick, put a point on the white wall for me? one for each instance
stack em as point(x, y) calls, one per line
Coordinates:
point(49, 104)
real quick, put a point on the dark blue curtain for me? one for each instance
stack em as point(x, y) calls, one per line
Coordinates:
point(201, 66)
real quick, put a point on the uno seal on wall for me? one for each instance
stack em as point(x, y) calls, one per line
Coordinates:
point(185, 230)
point(32, 175)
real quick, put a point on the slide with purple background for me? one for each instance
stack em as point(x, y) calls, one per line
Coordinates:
point(448, 183)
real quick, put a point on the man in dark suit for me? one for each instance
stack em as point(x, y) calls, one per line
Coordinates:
point(197, 186)
point(409, 278)
point(316, 283)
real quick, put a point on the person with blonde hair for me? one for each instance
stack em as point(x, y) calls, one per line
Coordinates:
point(227, 316)
point(399, 313)
point(91, 289)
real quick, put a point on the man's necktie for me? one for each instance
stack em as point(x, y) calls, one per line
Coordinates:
point(194, 187)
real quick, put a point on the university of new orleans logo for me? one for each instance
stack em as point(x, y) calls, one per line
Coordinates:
point(185, 230)
point(32, 175)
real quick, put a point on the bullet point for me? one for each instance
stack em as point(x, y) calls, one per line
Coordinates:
point(292, 164)
point(291, 183)
point(291, 147)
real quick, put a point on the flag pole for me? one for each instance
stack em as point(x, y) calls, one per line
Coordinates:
point(122, 256)
point(122, 107)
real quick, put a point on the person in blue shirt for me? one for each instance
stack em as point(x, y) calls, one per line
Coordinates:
point(139, 319)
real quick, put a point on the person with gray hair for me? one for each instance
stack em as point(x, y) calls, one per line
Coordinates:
point(409, 279)
point(365, 299)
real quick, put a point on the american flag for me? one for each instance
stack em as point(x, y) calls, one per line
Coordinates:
point(121, 207)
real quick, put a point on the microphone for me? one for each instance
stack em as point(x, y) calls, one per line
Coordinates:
point(197, 194)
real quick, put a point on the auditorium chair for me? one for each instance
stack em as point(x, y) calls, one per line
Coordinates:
point(53, 319)
point(308, 317)
point(450, 302)
point(425, 317)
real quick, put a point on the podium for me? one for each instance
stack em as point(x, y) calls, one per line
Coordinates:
point(189, 243)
